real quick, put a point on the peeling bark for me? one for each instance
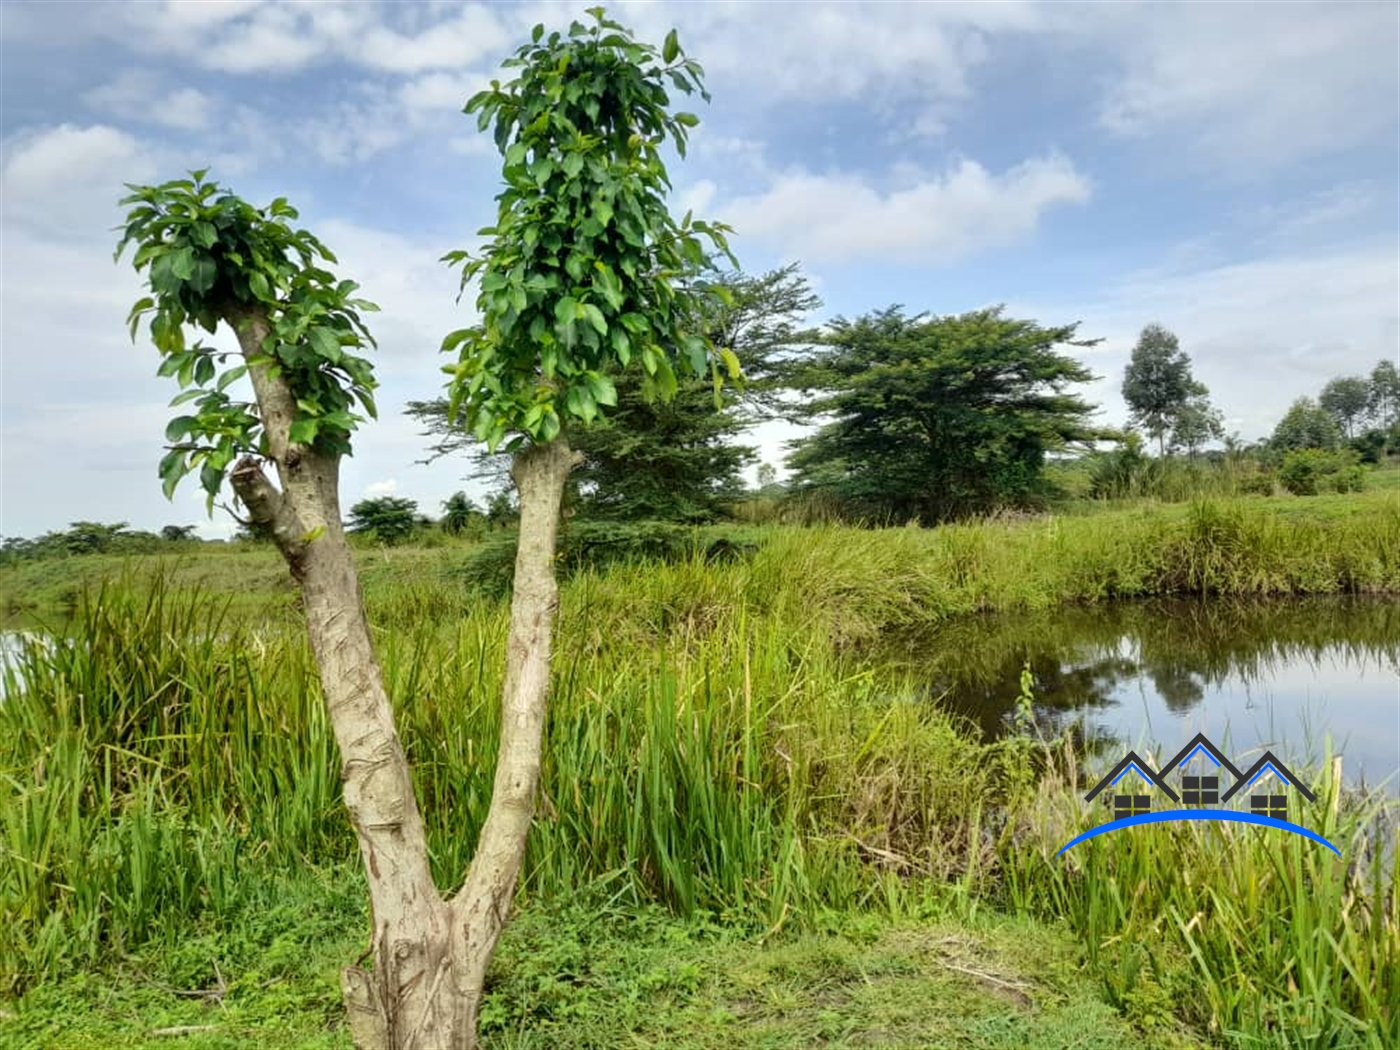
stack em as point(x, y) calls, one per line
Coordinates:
point(430, 955)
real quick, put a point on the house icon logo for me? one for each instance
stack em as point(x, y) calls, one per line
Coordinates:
point(1208, 783)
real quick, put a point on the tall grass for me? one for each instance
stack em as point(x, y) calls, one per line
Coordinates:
point(712, 744)
point(1265, 939)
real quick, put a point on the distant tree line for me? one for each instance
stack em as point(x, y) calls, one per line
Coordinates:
point(914, 418)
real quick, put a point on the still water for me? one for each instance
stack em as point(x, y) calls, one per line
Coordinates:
point(1279, 675)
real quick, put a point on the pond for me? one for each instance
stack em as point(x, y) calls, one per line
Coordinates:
point(1249, 675)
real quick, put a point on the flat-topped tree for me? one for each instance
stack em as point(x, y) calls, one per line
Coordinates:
point(586, 274)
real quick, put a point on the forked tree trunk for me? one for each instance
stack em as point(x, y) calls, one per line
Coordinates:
point(430, 955)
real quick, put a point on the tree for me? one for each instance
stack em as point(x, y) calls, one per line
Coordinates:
point(1383, 395)
point(939, 417)
point(501, 509)
point(91, 537)
point(767, 476)
point(389, 519)
point(661, 460)
point(458, 513)
point(1347, 400)
point(1305, 425)
point(1157, 384)
point(1197, 423)
point(178, 533)
point(583, 277)
point(676, 460)
point(208, 257)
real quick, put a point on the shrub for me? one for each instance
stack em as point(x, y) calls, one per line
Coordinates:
point(596, 544)
point(1307, 471)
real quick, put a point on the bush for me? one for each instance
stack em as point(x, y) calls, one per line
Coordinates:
point(596, 544)
point(1307, 471)
point(1258, 483)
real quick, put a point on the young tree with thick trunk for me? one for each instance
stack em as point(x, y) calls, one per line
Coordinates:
point(586, 274)
point(578, 283)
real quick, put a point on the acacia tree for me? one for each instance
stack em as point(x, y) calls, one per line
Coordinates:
point(932, 418)
point(676, 460)
point(389, 519)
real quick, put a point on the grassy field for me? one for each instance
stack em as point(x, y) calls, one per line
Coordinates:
point(757, 832)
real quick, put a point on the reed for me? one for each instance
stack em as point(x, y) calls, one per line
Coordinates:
point(716, 743)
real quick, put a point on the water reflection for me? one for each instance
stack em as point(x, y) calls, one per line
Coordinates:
point(1255, 674)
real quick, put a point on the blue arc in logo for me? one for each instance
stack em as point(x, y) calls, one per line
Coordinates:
point(1199, 814)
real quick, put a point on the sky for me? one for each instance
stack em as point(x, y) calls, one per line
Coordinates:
point(1228, 170)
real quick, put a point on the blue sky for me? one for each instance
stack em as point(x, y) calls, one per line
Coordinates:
point(1228, 170)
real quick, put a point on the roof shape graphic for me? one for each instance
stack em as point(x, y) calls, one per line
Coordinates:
point(1259, 768)
point(1201, 743)
point(1132, 758)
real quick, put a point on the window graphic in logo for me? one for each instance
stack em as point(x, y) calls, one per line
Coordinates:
point(1132, 785)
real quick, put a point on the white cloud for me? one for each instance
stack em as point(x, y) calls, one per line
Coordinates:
point(67, 180)
point(842, 217)
point(382, 488)
point(1251, 84)
point(1260, 332)
point(1318, 214)
point(136, 95)
point(474, 33)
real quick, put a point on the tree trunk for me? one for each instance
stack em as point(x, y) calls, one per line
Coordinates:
point(399, 1004)
point(480, 909)
point(430, 955)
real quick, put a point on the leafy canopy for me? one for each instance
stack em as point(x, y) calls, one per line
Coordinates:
point(940, 417)
point(1306, 424)
point(580, 275)
point(1157, 383)
point(389, 519)
point(208, 256)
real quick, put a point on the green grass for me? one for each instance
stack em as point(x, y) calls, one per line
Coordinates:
point(718, 747)
point(1246, 546)
point(585, 973)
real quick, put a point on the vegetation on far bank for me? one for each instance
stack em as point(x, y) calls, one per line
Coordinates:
point(884, 578)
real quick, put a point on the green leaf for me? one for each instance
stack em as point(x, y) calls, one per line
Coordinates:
point(604, 392)
point(231, 376)
point(566, 309)
point(172, 469)
point(671, 48)
point(182, 263)
point(594, 316)
point(257, 284)
point(621, 345)
point(203, 369)
point(731, 362)
point(326, 343)
point(688, 120)
point(178, 427)
point(303, 431)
